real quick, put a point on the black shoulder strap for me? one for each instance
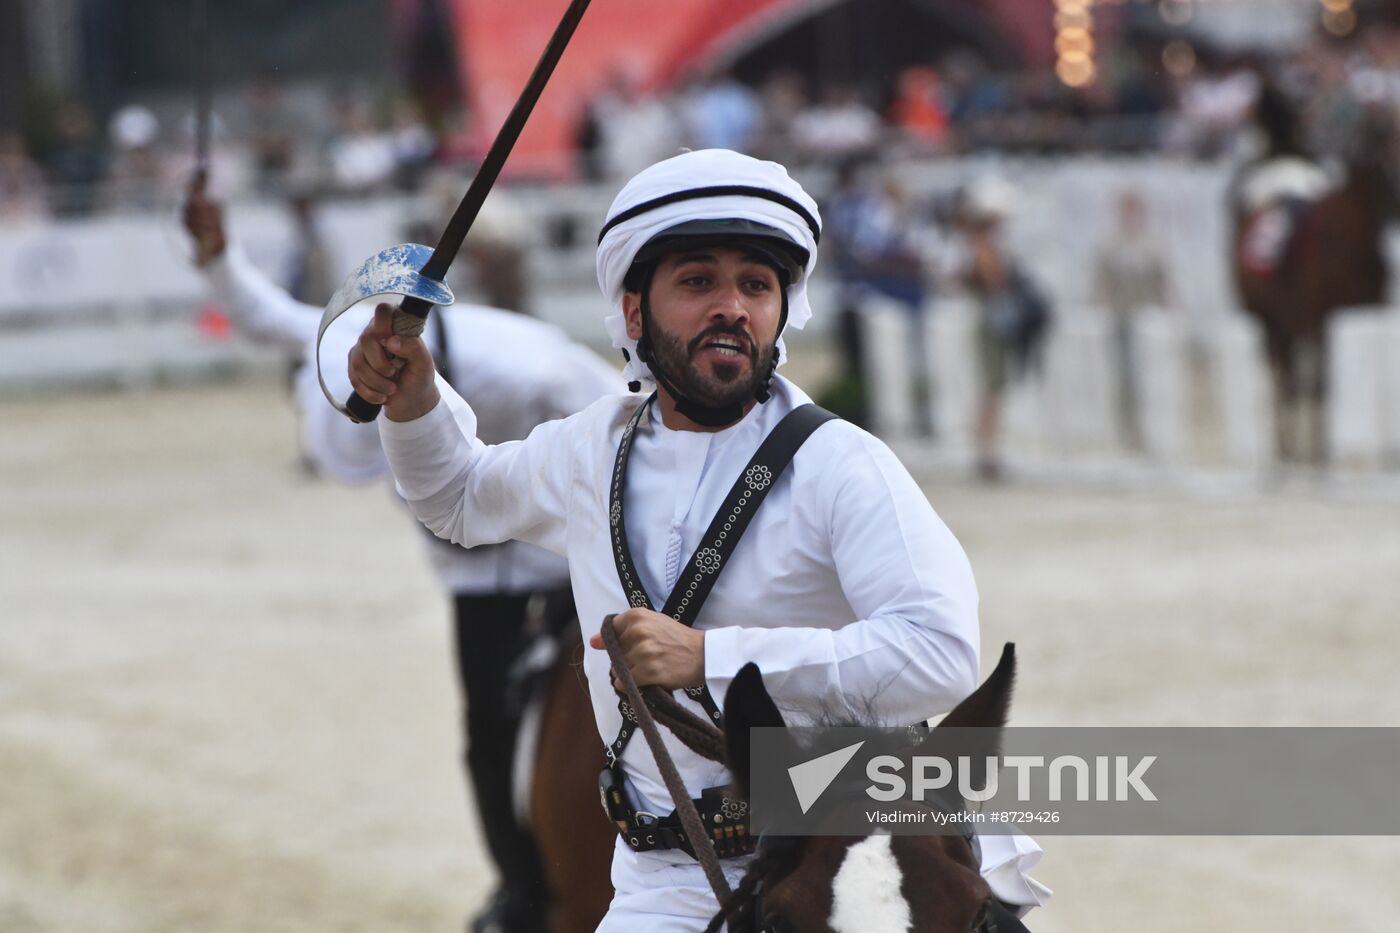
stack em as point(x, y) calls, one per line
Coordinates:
point(703, 569)
point(745, 496)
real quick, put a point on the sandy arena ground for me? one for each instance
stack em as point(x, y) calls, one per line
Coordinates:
point(226, 702)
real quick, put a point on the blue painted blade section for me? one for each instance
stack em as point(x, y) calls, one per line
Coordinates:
point(393, 271)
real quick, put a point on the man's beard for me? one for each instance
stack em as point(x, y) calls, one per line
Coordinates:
point(729, 385)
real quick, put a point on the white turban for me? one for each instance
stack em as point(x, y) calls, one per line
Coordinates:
point(678, 182)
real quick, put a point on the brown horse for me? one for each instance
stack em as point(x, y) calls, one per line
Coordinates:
point(574, 837)
point(799, 877)
point(576, 840)
point(1332, 259)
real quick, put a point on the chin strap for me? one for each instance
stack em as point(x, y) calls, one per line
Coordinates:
point(762, 391)
point(709, 415)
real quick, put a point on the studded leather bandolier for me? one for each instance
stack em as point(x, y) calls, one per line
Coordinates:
point(727, 815)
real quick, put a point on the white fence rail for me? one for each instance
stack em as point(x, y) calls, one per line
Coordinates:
point(114, 299)
point(1069, 408)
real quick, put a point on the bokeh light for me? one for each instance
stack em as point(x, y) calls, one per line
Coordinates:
point(1074, 42)
point(1339, 22)
point(1175, 12)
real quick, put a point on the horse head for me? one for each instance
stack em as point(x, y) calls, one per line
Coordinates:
point(875, 884)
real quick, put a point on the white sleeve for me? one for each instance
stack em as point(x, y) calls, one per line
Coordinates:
point(912, 652)
point(346, 451)
point(257, 305)
point(471, 493)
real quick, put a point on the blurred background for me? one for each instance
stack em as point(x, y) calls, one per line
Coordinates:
point(1111, 276)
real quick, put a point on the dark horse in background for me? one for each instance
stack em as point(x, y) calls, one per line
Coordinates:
point(1304, 249)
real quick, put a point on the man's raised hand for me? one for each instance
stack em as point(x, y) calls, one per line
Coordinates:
point(204, 220)
point(396, 372)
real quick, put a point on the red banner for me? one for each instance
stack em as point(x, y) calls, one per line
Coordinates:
point(648, 42)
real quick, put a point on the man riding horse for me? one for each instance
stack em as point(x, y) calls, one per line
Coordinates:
point(1309, 242)
point(845, 588)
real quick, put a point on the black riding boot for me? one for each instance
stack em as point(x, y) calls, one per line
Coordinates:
point(490, 633)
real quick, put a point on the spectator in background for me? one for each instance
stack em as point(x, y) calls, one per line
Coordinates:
point(137, 175)
point(919, 110)
point(413, 144)
point(22, 193)
point(455, 145)
point(311, 277)
point(1333, 112)
point(76, 164)
point(271, 136)
point(841, 127)
point(1130, 276)
point(871, 233)
point(232, 166)
point(721, 113)
point(1139, 99)
point(637, 128)
point(1214, 107)
point(976, 98)
point(588, 140)
point(1012, 315)
point(360, 156)
point(783, 97)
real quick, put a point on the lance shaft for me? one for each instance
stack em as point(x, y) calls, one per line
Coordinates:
point(201, 46)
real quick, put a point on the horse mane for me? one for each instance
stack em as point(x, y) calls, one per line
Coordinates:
point(858, 713)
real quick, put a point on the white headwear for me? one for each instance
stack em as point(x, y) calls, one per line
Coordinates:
point(133, 127)
point(989, 197)
point(677, 190)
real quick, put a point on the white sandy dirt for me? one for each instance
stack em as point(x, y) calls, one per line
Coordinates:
point(227, 704)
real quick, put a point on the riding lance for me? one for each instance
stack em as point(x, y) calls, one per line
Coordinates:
point(200, 44)
point(199, 73)
point(410, 270)
point(202, 91)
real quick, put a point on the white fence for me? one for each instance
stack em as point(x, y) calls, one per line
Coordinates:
point(1068, 410)
point(114, 299)
point(1363, 375)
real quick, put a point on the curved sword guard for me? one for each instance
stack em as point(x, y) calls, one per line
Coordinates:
point(394, 271)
